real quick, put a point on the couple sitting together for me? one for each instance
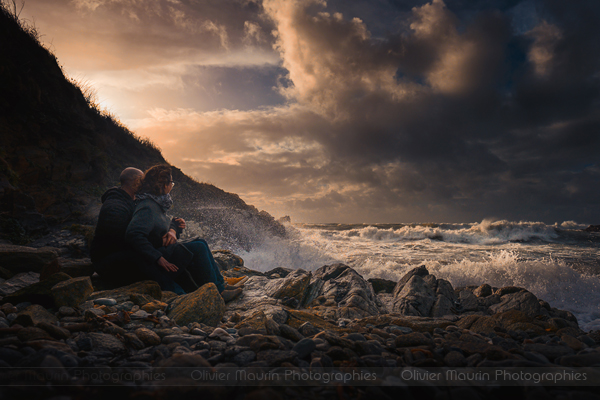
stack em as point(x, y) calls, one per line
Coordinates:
point(135, 240)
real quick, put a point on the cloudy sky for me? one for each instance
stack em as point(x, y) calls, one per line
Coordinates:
point(355, 110)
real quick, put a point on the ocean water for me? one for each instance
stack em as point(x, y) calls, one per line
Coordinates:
point(559, 263)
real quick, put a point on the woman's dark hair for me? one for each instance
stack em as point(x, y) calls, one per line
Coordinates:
point(155, 178)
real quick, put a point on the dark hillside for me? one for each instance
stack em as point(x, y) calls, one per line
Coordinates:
point(58, 153)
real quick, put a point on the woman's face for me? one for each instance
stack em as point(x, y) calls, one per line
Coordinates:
point(169, 186)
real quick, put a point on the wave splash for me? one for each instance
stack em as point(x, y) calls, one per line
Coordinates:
point(485, 232)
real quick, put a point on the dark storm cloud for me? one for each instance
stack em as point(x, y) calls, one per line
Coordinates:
point(374, 111)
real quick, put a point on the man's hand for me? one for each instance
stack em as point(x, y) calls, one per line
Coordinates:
point(169, 238)
point(167, 266)
point(180, 222)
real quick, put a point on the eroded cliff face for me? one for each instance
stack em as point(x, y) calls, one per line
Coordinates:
point(58, 153)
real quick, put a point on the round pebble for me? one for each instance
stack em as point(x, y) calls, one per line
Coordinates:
point(105, 301)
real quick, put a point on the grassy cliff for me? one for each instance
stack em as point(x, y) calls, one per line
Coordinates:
point(59, 152)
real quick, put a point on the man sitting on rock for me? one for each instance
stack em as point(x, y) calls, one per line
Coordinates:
point(113, 259)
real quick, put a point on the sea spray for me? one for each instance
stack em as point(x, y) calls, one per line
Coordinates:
point(558, 263)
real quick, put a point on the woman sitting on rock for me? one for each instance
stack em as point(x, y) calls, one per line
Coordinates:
point(190, 263)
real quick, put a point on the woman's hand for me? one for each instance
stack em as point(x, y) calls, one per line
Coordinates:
point(167, 266)
point(169, 238)
point(180, 222)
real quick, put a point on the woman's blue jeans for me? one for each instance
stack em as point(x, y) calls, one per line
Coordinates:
point(204, 268)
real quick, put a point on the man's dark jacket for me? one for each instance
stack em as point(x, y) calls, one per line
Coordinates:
point(115, 214)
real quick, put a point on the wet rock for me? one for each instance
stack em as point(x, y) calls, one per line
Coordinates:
point(39, 293)
point(483, 290)
point(56, 332)
point(227, 260)
point(205, 305)
point(591, 359)
point(304, 347)
point(292, 286)
point(272, 327)
point(416, 298)
point(180, 365)
point(220, 334)
point(442, 306)
point(76, 267)
point(153, 306)
point(290, 333)
point(255, 321)
point(297, 318)
point(573, 343)
point(33, 333)
point(455, 359)
point(382, 285)
point(244, 358)
point(485, 324)
point(148, 337)
point(276, 357)
point(508, 290)
point(23, 259)
point(18, 281)
point(105, 301)
point(72, 292)
point(307, 329)
point(413, 339)
point(549, 351)
point(106, 342)
point(522, 301)
point(33, 315)
point(124, 293)
point(468, 300)
point(337, 291)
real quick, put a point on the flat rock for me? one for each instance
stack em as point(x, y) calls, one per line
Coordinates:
point(76, 267)
point(72, 292)
point(205, 305)
point(33, 315)
point(18, 281)
point(417, 324)
point(124, 293)
point(39, 293)
point(24, 259)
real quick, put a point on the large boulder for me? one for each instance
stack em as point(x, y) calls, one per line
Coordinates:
point(254, 298)
point(205, 305)
point(23, 259)
point(416, 298)
point(337, 291)
point(227, 260)
point(292, 286)
point(39, 293)
point(523, 301)
point(72, 292)
point(124, 293)
point(420, 294)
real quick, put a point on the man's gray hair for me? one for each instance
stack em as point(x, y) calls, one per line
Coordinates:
point(129, 175)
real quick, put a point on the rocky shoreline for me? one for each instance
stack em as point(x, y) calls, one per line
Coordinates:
point(330, 319)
